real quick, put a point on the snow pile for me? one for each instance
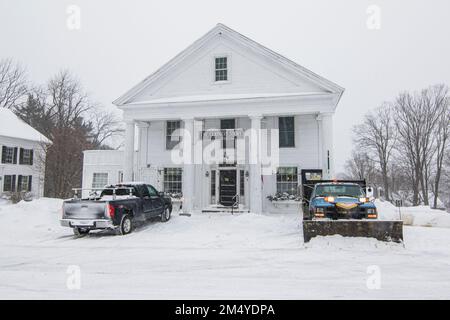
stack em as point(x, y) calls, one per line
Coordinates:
point(212, 256)
point(30, 220)
point(415, 216)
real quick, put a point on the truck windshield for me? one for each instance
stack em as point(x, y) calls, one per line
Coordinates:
point(119, 192)
point(337, 190)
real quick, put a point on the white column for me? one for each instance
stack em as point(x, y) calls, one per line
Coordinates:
point(141, 161)
point(188, 165)
point(129, 151)
point(255, 193)
point(327, 146)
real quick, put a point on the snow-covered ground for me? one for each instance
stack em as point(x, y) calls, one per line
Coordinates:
point(214, 256)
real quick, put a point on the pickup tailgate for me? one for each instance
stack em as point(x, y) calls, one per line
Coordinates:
point(84, 209)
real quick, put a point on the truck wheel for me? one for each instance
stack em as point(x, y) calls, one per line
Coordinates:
point(80, 232)
point(126, 225)
point(165, 216)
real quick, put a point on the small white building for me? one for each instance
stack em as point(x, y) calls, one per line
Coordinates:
point(22, 164)
point(227, 120)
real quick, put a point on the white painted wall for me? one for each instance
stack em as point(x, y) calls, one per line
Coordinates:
point(101, 161)
point(36, 170)
point(248, 73)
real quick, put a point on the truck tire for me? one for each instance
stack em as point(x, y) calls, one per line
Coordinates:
point(165, 216)
point(126, 225)
point(80, 231)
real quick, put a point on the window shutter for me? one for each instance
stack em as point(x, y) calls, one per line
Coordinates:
point(13, 183)
point(21, 156)
point(31, 157)
point(30, 178)
point(19, 183)
point(3, 154)
point(15, 156)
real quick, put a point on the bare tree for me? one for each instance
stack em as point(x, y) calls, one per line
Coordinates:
point(416, 119)
point(12, 83)
point(442, 137)
point(377, 136)
point(360, 166)
point(103, 127)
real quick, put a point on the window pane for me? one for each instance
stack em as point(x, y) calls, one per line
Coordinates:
point(172, 138)
point(99, 180)
point(286, 127)
point(173, 180)
point(287, 180)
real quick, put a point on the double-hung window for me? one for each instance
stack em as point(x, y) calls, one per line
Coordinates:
point(99, 180)
point(287, 180)
point(286, 131)
point(9, 155)
point(173, 134)
point(9, 183)
point(26, 156)
point(221, 68)
point(173, 180)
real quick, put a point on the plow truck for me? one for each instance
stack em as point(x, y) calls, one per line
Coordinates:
point(342, 207)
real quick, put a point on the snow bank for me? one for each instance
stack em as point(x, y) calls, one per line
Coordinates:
point(415, 216)
point(32, 220)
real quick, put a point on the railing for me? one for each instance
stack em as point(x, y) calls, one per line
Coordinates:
point(93, 192)
point(235, 204)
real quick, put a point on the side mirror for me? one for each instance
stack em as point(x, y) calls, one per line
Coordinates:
point(161, 193)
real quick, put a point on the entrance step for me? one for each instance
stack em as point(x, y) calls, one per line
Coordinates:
point(219, 209)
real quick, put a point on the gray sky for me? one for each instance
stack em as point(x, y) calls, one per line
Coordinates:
point(121, 42)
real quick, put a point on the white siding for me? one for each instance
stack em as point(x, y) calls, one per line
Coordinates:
point(248, 73)
point(36, 170)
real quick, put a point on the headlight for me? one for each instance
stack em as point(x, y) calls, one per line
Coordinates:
point(319, 210)
point(371, 211)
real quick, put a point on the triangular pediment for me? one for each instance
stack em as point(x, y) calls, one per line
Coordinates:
point(252, 69)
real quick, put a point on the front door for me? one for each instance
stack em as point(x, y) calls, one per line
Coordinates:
point(227, 187)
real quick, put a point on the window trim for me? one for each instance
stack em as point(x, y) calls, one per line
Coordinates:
point(179, 144)
point(93, 175)
point(229, 68)
point(14, 156)
point(12, 184)
point(284, 182)
point(22, 157)
point(180, 181)
point(279, 135)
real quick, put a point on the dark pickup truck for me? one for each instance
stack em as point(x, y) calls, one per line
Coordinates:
point(115, 207)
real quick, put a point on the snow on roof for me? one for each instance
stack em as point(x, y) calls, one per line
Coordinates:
point(14, 127)
point(218, 97)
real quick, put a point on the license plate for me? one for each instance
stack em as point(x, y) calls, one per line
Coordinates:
point(82, 223)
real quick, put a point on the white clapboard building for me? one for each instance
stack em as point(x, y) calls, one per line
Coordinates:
point(22, 160)
point(225, 122)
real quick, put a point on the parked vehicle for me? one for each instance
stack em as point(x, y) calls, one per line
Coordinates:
point(115, 207)
point(342, 207)
point(339, 200)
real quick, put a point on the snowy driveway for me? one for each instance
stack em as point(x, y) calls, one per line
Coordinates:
point(213, 256)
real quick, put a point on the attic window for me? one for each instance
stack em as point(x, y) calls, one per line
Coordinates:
point(221, 69)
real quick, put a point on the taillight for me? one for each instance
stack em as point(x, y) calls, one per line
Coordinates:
point(111, 211)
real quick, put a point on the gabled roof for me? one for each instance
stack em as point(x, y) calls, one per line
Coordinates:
point(221, 29)
point(14, 127)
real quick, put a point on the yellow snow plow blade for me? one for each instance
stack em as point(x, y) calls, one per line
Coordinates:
point(381, 230)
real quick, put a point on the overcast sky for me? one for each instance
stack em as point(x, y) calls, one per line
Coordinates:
point(121, 42)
